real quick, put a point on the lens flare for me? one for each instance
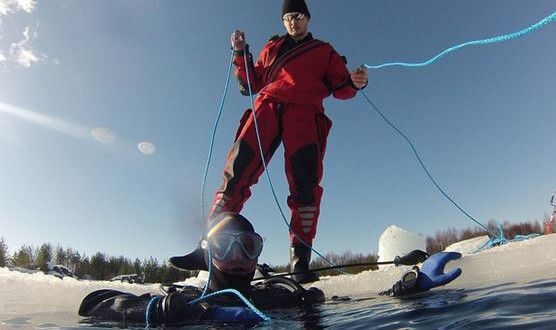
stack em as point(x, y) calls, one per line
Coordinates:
point(45, 121)
point(147, 148)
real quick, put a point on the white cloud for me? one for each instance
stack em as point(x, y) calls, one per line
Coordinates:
point(20, 52)
point(26, 5)
point(4, 9)
point(10, 6)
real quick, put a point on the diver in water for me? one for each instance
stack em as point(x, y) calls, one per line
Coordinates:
point(232, 248)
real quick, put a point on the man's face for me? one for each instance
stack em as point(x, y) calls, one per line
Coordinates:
point(236, 263)
point(296, 24)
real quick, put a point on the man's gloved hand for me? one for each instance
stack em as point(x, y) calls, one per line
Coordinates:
point(359, 77)
point(432, 273)
point(238, 40)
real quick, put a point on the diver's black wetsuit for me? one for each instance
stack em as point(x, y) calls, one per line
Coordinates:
point(174, 308)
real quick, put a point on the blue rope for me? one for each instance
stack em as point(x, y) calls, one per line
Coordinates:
point(501, 239)
point(518, 238)
point(209, 272)
point(481, 42)
point(492, 40)
point(154, 300)
point(237, 293)
point(213, 135)
point(412, 146)
point(209, 158)
point(204, 296)
point(268, 174)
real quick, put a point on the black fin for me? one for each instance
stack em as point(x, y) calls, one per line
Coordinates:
point(192, 261)
point(94, 298)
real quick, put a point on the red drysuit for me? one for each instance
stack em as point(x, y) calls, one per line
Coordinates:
point(292, 80)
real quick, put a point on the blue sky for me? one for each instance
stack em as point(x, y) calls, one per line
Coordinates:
point(154, 71)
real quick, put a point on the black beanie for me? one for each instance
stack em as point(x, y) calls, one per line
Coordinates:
point(230, 220)
point(295, 6)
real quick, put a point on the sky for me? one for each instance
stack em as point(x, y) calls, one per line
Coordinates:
point(107, 109)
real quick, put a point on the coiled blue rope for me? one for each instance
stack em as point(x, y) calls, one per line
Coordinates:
point(481, 42)
point(501, 239)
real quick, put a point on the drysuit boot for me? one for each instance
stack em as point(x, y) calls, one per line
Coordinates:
point(300, 257)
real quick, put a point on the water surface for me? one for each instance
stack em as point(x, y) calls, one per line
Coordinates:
point(511, 305)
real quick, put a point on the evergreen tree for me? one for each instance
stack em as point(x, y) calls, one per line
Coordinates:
point(61, 256)
point(44, 256)
point(150, 269)
point(74, 259)
point(98, 266)
point(137, 268)
point(24, 257)
point(84, 269)
point(162, 273)
point(112, 267)
point(3, 252)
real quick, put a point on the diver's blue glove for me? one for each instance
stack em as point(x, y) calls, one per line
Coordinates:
point(432, 273)
point(429, 276)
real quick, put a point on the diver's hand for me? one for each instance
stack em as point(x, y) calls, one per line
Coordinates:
point(432, 273)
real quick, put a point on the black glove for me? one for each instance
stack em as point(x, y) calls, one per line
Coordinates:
point(174, 309)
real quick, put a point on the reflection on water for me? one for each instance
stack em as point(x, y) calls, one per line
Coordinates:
point(17, 321)
point(504, 306)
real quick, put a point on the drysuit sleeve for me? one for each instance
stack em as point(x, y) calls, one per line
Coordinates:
point(256, 70)
point(146, 309)
point(173, 309)
point(338, 77)
point(282, 292)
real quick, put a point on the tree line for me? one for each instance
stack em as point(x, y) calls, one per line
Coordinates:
point(443, 238)
point(103, 267)
point(99, 266)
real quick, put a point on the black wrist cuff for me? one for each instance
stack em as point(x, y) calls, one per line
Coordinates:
point(407, 285)
point(241, 52)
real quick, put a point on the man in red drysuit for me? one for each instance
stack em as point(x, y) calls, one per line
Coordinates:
point(292, 76)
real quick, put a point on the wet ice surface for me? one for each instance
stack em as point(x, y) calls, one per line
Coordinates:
point(509, 286)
